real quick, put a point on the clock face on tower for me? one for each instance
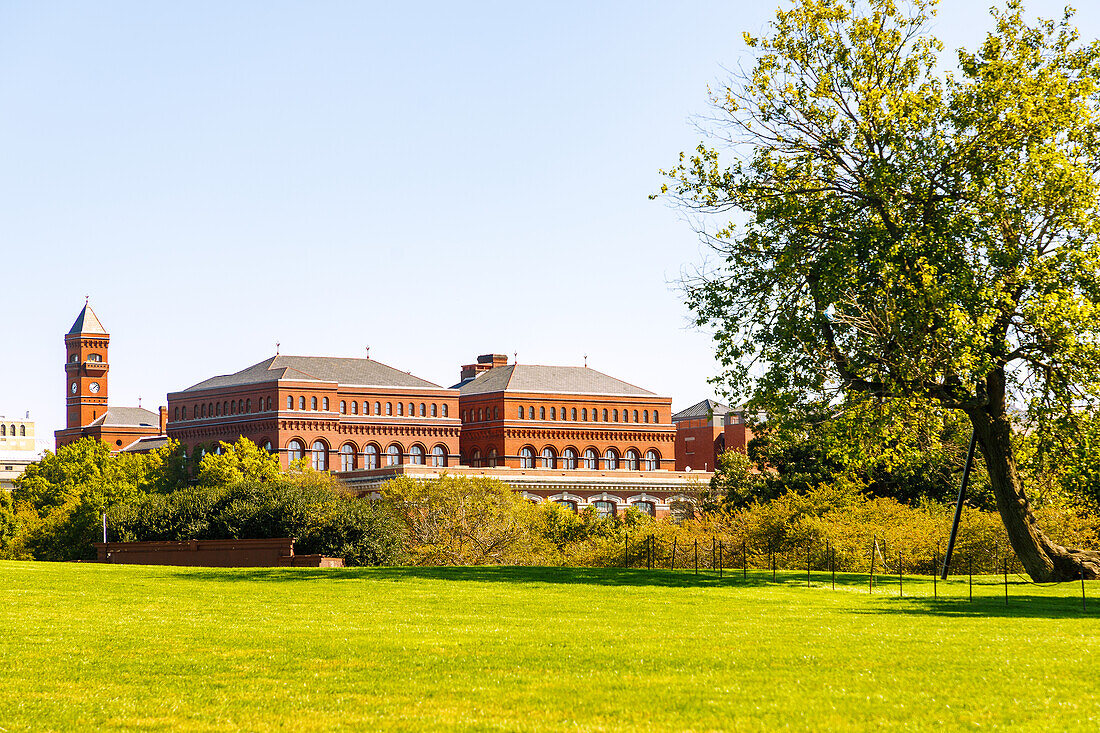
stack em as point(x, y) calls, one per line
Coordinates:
point(73, 388)
point(93, 387)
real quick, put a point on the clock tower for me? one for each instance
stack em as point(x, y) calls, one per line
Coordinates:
point(85, 370)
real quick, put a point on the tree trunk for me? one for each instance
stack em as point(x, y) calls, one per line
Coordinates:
point(1044, 559)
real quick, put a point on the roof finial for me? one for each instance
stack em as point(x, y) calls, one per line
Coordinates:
point(139, 400)
point(86, 297)
point(276, 348)
point(586, 361)
point(368, 351)
point(515, 357)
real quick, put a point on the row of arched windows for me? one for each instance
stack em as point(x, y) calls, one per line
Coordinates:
point(612, 414)
point(424, 409)
point(372, 455)
point(216, 409)
point(244, 406)
point(570, 459)
point(606, 509)
point(4, 430)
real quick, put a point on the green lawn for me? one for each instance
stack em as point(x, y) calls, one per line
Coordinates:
point(140, 648)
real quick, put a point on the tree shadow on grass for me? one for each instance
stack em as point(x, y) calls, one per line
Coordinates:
point(492, 574)
point(987, 602)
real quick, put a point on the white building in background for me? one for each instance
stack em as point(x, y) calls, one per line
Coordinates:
point(17, 448)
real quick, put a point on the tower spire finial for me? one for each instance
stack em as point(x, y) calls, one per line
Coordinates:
point(86, 298)
point(276, 348)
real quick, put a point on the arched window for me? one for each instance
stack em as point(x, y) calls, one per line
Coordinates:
point(240, 406)
point(313, 403)
point(269, 403)
point(567, 504)
point(378, 408)
point(444, 411)
point(301, 403)
point(324, 404)
point(294, 451)
point(616, 414)
point(248, 405)
point(605, 415)
point(435, 410)
point(347, 457)
point(475, 458)
point(423, 410)
point(74, 358)
point(400, 408)
point(439, 455)
point(521, 412)
point(412, 409)
point(655, 418)
point(492, 458)
point(217, 410)
point(645, 415)
point(95, 357)
point(267, 446)
point(370, 456)
point(354, 407)
point(496, 413)
point(393, 455)
point(573, 414)
point(320, 456)
point(225, 407)
point(4, 430)
point(343, 407)
point(416, 455)
point(389, 408)
point(530, 412)
point(569, 458)
point(548, 457)
point(605, 509)
point(553, 413)
point(652, 460)
point(610, 459)
point(635, 416)
point(527, 458)
point(645, 507)
point(479, 414)
point(632, 460)
point(591, 459)
point(204, 410)
point(584, 414)
point(183, 413)
point(289, 402)
point(542, 413)
point(176, 414)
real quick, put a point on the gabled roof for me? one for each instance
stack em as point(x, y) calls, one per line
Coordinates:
point(127, 416)
point(556, 379)
point(86, 322)
point(146, 443)
point(363, 372)
point(702, 410)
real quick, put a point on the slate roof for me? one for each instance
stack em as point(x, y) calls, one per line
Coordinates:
point(146, 443)
point(365, 372)
point(556, 379)
point(86, 322)
point(702, 410)
point(129, 416)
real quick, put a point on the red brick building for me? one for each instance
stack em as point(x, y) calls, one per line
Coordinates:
point(340, 414)
point(704, 431)
point(557, 417)
point(87, 413)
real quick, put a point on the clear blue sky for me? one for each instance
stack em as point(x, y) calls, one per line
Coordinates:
point(435, 180)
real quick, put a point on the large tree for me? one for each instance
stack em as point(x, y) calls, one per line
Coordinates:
point(889, 228)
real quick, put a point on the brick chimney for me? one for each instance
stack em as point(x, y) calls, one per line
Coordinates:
point(163, 420)
point(485, 362)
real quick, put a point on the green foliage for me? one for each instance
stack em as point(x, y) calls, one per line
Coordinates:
point(735, 483)
point(463, 521)
point(60, 499)
point(240, 461)
point(308, 506)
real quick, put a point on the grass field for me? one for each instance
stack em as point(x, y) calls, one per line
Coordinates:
point(148, 648)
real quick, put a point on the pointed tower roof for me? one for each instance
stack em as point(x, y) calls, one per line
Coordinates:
point(86, 322)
